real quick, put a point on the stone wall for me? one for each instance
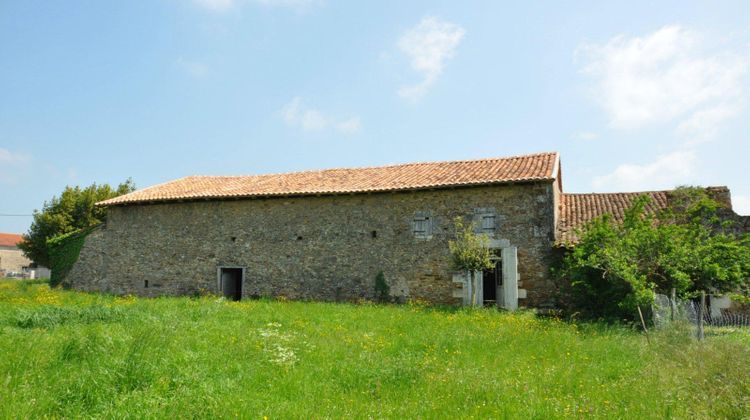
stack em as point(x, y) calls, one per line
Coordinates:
point(744, 221)
point(740, 223)
point(318, 247)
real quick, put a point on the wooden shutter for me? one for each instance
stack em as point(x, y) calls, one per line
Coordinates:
point(510, 278)
point(479, 279)
point(488, 223)
point(422, 224)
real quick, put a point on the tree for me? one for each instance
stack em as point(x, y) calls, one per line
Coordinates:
point(470, 252)
point(73, 210)
point(688, 246)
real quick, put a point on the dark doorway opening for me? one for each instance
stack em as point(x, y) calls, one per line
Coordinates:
point(231, 283)
point(491, 281)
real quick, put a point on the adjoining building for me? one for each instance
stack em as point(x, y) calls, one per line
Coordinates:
point(12, 261)
point(325, 235)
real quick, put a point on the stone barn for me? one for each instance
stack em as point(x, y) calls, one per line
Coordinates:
point(325, 235)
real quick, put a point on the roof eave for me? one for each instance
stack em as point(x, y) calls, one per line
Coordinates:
point(114, 202)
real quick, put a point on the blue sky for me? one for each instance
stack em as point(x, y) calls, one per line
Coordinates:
point(634, 95)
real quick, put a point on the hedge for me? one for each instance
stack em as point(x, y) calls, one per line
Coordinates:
point(63, 253)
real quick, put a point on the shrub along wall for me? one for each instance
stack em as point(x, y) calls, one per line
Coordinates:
point(63, 253)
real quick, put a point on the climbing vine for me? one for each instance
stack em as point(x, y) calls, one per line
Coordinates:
point(63, 253)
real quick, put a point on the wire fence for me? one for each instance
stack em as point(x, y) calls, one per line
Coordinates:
point(666, 310)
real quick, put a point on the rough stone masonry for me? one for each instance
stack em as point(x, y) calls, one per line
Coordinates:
point(327, 247)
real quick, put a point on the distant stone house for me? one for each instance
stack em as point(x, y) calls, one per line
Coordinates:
point(325, 235)
point(13, 263)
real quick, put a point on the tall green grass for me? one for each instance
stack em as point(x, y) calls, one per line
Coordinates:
point(68, 354)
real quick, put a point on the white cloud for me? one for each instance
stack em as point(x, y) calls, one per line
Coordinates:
point(671, 75)
point(11, 164)
point(296, 114)
point(666, 171)
point(193, 68)
point(585, 135)
point(225, 5)
point(314, 120)
point(703, 125)
point(350, 126)
point(291, 110)
point(741, 204)
point(428, 45)
point(309, 119)
point(6, 157)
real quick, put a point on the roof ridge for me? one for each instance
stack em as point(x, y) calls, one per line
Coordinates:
point(643, 192)
point(619, 192)
point(392, 165)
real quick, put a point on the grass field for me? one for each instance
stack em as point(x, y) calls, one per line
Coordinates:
point(68, 354)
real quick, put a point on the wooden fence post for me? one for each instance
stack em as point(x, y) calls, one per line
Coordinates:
point(700, 316)
point(643, 323)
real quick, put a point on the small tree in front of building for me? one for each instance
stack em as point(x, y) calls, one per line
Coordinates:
point(470, 252)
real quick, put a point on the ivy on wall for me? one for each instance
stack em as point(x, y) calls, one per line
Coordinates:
point(63, 253)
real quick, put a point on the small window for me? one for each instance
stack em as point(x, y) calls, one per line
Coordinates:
point(422, 225)
point(485, 220)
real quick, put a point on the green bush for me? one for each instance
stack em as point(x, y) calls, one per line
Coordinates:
point(382, 289)
point(63, 253)
point(617, 267)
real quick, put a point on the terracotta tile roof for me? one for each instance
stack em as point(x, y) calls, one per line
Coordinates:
point(412, 176)
point(10, 239)
point(578, 209)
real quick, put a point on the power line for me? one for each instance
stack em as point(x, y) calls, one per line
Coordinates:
point(16, 215)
